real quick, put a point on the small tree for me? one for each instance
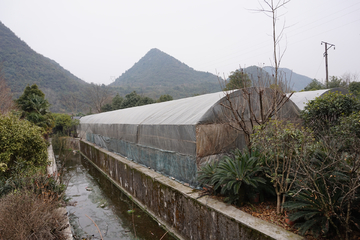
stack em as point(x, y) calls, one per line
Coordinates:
point(116, 102)
point(264, 100)
point(64, 124)
point(145, 101)
point(165, 98)
point(282, 144)
point(336, 82)
point(99, 95)
point(237, 80)
point(314, 85)
point(35, 108)
point(130, 100)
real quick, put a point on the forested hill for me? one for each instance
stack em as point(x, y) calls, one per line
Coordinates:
point(22, 66)
point(294, 81)
point(158, 73)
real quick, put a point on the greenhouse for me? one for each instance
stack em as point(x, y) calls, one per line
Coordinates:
point(302, 98)
point(176, 137)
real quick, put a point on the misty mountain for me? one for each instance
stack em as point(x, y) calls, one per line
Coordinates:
point(22, 66)
point(296, 81)
point(158, 73)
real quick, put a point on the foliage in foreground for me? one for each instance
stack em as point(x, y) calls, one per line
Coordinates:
point(282, 144)
point(318, 175)
point(326, 195)
point(26, 216)
point(233, 176)
point(22, 146)
point(33, 181)
point(325, 112)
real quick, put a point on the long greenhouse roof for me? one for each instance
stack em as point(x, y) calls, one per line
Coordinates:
point(186, 111)
point(302, 98)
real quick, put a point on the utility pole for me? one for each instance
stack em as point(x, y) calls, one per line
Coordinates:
point(326, 60)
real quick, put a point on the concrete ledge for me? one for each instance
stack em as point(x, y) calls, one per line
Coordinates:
point(52, 170)
point(51, 167)
point(176, 206)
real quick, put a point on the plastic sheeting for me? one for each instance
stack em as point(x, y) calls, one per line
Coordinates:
point(302, 98)
point(175, 137)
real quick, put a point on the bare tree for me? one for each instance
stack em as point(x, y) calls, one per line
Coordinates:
point(271, 10)
point(256, 105)
point(98, 95)
point(349, 77)
point(6, 102)
point(282, 144)
point(71, 101)
point(252, 106)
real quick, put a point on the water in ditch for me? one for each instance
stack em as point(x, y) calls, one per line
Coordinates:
point(97, 205)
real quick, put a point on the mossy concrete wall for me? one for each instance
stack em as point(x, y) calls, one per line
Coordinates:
point(177, 207)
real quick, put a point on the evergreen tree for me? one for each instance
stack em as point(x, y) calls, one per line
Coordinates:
point(35, 108)
point(237, 80)
point(116, 102)
point(164, 98)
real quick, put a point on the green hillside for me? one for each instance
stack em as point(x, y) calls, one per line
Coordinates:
point(157, 73)
point(22, 66)
point(296, 81)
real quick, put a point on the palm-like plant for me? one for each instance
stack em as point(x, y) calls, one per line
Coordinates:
point(206, 174)
point(240, 172)
point(312, 214)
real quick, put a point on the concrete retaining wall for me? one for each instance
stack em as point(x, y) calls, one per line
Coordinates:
point(176, 206)
point(52, 170)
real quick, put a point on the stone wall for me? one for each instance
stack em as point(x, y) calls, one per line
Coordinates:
point(177, 207)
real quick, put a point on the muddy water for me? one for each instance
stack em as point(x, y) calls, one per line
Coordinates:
point(95, 201)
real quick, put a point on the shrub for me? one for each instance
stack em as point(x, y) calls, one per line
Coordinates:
point(42, 185)
point(327, 190)
point(282, 144)
point(206, 174)
point(64, 124)
point(21, 146)
point(25, 216)
point(325, 112)
point(233, 176)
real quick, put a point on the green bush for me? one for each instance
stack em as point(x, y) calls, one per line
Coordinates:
point(325, 112)
point(326, 195)
point(21, 146)
point(64, 125)
point(282, 144)
point(233, 176)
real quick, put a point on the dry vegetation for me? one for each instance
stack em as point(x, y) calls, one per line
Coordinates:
point(24, 215)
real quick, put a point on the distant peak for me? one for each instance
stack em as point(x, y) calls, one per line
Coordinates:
point(154, 50)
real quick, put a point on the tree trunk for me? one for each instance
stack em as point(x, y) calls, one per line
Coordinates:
point(278, 203)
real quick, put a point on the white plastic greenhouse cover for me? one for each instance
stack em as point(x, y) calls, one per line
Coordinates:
point(186, 111)
point(173, 137)
point(302, 98)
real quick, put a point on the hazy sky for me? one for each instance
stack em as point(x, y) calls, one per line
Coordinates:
point(99, 40)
